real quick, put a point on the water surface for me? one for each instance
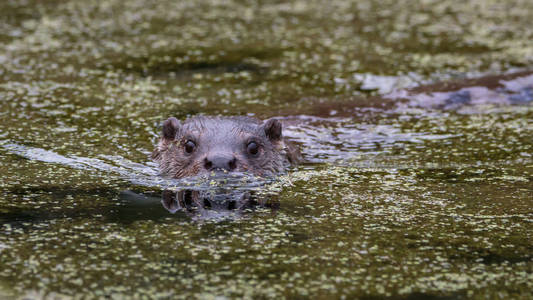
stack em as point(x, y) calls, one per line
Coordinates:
point(418, 175)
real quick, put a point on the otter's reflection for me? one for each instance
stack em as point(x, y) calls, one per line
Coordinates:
point(212, 203)
point(217, 196)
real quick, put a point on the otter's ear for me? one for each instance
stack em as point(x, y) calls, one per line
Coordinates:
point(272, 129)
point(170, 128)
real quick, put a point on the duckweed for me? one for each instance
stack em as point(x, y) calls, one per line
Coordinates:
point(394, 201)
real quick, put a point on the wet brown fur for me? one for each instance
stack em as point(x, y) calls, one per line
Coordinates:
point(225, 135)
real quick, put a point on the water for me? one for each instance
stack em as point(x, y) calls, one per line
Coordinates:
point(414, 119)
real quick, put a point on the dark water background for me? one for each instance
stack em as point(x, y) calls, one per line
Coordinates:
point(425, 194)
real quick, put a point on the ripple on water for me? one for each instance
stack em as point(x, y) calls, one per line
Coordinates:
point(424, 194)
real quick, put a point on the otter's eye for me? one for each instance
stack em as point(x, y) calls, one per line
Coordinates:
point(252, 148)
point(189, 146)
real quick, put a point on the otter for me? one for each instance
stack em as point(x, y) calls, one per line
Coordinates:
point(204, 144)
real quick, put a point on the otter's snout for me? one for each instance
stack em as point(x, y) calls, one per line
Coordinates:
point(220, 162)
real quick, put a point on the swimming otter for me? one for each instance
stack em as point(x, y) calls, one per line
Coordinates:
point(204, 144)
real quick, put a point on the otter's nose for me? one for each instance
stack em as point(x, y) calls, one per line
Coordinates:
point(228, 163)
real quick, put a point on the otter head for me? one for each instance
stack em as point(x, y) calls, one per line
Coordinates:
point(228, 144)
